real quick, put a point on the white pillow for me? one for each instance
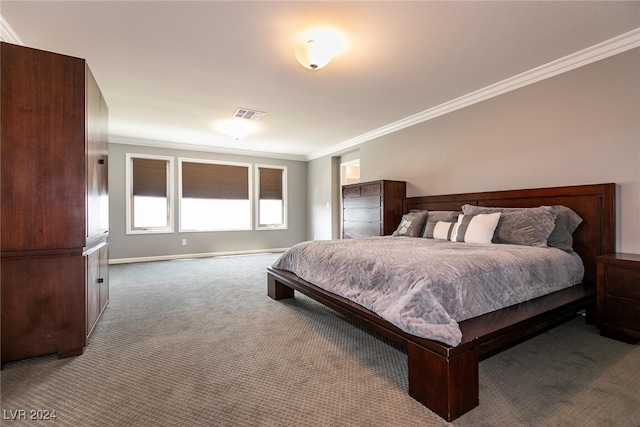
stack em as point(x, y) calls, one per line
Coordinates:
point(476, 228)
point(444, 230)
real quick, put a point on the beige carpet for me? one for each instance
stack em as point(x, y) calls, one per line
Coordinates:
point(198, 343)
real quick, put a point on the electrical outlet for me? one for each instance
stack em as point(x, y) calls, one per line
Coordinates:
point(184, 242)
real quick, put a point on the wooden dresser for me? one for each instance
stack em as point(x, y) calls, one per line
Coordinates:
point(372, 208)
point(55, 203)
point(618, 296)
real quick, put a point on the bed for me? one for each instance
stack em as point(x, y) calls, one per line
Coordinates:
point(444, 377)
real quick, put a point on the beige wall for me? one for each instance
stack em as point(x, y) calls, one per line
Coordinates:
point(125, 247)
point(321, 185)
point(581, 127)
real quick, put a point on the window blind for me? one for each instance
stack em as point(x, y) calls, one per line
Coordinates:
point(214, 181)
point(149, 177)
point(270, 184)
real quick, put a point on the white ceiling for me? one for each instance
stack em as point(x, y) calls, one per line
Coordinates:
point(169, 70)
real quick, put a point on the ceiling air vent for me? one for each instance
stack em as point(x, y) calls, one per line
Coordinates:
point(245, 113)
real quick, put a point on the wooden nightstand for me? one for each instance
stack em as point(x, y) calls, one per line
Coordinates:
point(618, 297)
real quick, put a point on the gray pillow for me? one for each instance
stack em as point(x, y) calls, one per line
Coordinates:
point(520, 226)
point(566, 223)
point(434, 217)
point(411, 224)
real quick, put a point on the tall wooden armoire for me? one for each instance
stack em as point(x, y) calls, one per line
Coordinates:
point(54, 203)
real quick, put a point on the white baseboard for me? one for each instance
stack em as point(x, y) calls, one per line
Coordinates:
point(191, 256)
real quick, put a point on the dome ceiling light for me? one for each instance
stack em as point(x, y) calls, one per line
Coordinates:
point(314, 54)
point(242, 123)
point(318, 46)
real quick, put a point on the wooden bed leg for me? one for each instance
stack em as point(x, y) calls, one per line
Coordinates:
point(277, 290)
point(449, 386)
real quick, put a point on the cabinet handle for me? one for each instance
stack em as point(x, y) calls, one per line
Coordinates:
point(101, 161)
point(100, 280)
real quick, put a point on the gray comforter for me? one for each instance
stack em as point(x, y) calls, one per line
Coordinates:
point(426, 286)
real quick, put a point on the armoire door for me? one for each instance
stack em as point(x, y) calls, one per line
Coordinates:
point(97, 161)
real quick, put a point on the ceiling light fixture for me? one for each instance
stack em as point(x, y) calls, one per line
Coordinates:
point(318, 47)
point(242, 123)
point(314, 54)
point(237, 128)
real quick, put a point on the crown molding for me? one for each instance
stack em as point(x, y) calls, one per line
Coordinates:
point(127, 140)
point(7, 34)
point(611, 47)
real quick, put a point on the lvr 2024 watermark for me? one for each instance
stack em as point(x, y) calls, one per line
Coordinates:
point(29, 414)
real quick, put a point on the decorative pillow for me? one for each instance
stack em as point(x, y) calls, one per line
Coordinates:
point(442, 230)
point(434, 217)
point(411, 224)
point(520, 226)
point(566, 223)
point(476, 228)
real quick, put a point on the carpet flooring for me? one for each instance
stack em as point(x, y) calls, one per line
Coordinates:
point(199, 343)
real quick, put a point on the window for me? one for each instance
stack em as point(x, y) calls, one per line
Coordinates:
point(272, 197)
point(149, 181)
point(214, 195)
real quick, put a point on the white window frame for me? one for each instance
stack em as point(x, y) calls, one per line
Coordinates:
point(129, 198)
point(285, 206)
point(181, 160)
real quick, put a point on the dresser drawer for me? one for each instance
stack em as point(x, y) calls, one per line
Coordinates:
point(363, 190)
point(351, 192)
point(362, 202)
point(623, 313)
point(623, 281)
point(370, 189)
point(362, 228)
point(362, 214)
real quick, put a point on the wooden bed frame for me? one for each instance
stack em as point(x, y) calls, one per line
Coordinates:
point(445, 378)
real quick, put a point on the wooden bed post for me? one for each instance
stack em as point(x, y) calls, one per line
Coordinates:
point(277, 290)
point(447, 385)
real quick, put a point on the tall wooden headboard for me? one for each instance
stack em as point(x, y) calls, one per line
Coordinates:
point(594, 203)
